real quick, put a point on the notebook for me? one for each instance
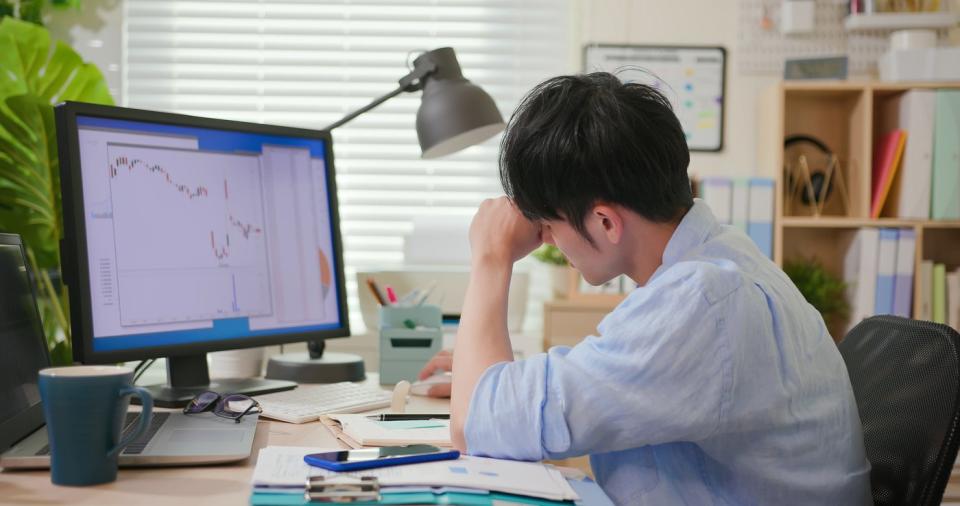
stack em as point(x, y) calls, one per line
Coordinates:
point(361, 430)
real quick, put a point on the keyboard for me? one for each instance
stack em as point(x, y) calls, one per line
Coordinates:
point(307, 403)
point(139, 444)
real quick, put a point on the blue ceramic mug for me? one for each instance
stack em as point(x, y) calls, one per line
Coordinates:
point(85, 407)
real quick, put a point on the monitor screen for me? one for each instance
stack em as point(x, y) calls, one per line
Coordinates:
point(200, 235)
point(21, 341)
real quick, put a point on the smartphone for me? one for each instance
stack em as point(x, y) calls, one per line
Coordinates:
point(368, 458)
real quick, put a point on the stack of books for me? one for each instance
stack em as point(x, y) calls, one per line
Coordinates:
point(745, 203)
point(878, 269)
point(879, 272)
point(916, 169)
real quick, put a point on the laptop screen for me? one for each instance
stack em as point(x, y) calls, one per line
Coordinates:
point(21, 339)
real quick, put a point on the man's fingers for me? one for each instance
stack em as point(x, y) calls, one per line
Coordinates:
point(442, 362)
point(441, 390)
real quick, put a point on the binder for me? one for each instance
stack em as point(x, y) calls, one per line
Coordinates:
point(717, 192)
point(760, 223)
point(860, 274)
point(739, 205)
point(926, 291)
point(953, 299)
point(903, 280)
point(939, 293)
point(886, 271)
point(886, 160)
point(912, 185)
point(945, 202)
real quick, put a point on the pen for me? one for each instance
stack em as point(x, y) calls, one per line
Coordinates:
point(372, 285)
point(391, 295)
point(391, 417)
point(427, 293)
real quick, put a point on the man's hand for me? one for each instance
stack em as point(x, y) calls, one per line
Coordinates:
point(441, 362)
point(500, 233)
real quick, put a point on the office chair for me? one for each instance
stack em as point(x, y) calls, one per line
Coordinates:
point(906, 381)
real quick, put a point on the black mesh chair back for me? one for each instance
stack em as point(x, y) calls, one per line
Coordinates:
point(906, 381)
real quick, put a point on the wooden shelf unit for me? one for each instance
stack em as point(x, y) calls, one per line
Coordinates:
point(847, 116)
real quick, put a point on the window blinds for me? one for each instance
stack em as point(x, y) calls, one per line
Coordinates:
point(309, 62)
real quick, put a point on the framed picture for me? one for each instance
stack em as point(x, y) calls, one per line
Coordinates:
point(691, 77)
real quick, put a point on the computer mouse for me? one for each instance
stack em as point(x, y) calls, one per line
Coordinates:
point(423, 386)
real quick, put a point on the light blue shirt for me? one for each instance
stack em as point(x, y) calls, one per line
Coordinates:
point(715, 383)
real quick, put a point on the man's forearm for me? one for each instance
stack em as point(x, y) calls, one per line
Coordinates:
point(482, 337)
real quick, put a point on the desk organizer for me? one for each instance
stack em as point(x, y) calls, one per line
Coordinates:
point(409, 337)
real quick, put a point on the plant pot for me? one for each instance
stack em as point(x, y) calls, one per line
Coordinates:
point(560, 280)
point(247, 363)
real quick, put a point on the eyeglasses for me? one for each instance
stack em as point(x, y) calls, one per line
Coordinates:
point(232, 406)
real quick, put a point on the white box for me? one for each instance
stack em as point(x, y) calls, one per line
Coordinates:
point(932, 64)
point(797, 16)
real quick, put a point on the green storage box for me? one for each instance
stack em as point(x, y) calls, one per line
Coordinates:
point(409, 337)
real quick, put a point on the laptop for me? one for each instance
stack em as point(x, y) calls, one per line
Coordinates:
point(173, 438)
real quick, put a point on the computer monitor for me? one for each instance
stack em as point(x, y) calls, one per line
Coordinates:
point(185, 235)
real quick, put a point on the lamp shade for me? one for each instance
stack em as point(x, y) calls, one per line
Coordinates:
point(454, 113)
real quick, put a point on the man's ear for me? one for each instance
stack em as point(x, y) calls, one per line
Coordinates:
point(611, 222)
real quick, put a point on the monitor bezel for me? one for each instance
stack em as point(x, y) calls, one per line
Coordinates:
point(74, 258)
point(30, 419)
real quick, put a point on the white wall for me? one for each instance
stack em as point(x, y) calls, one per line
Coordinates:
point(689, 22)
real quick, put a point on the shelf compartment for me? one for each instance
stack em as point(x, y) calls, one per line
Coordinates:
point(840, 118)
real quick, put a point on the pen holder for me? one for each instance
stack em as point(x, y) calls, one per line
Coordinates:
point(409, 337)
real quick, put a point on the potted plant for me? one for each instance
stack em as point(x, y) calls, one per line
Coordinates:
point(553, 258)
point(38, 72)
point(823, 290)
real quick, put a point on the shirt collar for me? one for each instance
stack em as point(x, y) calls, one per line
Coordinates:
point(692, 231)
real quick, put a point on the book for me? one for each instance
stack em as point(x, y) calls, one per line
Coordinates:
point(925, 291)
point(953, 299)
point(910, 194)
point(361, 430)
point(903, 280)
point(739, 203)
point(945, 201)
point(939, 293)
point(860, 274)
point(760, 214)
point(886, 271)
point(886, 160)
point(717, 192)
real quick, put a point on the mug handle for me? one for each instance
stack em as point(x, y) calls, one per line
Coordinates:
point(143, 421)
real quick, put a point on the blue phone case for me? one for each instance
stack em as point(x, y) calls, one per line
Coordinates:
point(370, 464)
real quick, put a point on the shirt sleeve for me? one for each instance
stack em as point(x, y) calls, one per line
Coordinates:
point(661, 373)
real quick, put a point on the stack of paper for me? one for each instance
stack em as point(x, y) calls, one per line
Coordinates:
point(361, 430)
point(281, 469)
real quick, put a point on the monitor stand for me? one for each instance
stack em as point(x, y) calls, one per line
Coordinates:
point(315, 366)
point(189, 375)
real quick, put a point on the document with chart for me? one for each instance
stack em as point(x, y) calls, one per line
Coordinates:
point(189, 229)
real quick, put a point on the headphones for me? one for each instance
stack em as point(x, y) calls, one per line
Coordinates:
point(818, 157)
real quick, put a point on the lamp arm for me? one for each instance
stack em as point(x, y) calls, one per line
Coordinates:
point(410, 82)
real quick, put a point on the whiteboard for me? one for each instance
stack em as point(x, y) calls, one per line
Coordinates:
point(692, 78)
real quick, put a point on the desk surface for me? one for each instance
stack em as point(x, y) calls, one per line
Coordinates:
point(178, 486)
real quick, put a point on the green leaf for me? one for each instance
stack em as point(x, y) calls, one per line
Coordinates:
point(36, 73)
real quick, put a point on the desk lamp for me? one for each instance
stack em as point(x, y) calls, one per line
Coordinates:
point(454, 114)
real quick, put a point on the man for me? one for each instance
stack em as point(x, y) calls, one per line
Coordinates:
point(714, 382)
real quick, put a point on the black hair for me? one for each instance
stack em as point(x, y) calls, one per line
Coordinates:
point(582, 139)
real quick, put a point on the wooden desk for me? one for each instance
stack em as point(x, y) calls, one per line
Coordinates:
point(179, 486)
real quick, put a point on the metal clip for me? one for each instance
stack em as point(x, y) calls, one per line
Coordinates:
point(342, 489)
